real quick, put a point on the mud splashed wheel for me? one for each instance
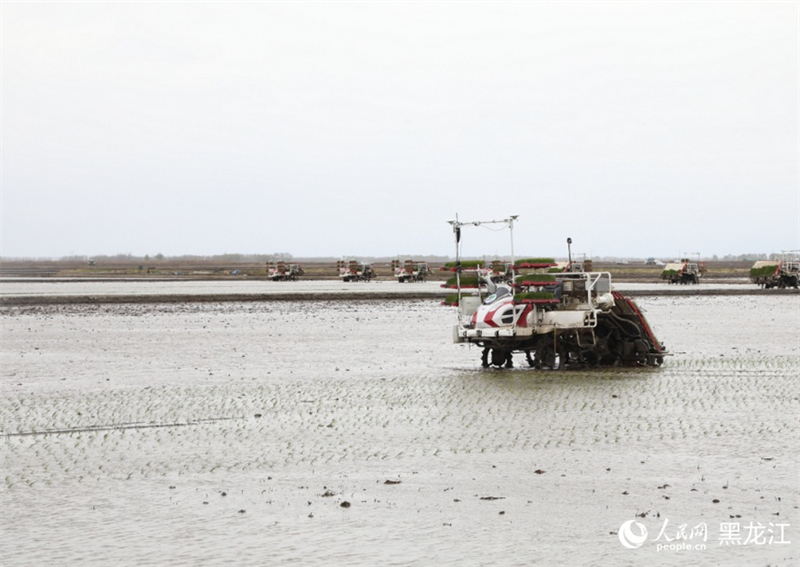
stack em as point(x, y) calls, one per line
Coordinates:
point(485, 357)
point(550, 357)
point(502, 358)
point(590, 358)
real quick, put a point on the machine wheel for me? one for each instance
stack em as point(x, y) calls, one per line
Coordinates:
point(485, 357)
point(548, 357)
point(501, 358)
point(590, 358)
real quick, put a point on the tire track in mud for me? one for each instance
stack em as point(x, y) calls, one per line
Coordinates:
point(114, 427)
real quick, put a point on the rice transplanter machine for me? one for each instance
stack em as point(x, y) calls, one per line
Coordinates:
point(558, 319)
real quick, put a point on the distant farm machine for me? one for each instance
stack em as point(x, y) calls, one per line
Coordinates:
point(782, 273)
point(576, 266)
point(283, 271)
point(686, 271)
point(355, 271)
point(410, 271)
point(558, 319)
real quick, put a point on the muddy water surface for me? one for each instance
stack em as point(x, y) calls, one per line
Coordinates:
point(332, 433)
point(11, 288)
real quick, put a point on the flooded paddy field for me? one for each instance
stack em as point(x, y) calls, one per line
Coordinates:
point(78, 290)
point(16, 291)
point(355, 433)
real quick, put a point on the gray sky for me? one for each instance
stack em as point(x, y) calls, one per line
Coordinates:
point(350, 128)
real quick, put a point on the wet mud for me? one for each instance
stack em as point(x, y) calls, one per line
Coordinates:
point(354, 432)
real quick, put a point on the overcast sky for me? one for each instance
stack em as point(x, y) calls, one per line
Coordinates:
point(356, 128)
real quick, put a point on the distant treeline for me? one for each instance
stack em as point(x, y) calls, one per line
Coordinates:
point(236, 258)
point(744, 257)
point(232, 258)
